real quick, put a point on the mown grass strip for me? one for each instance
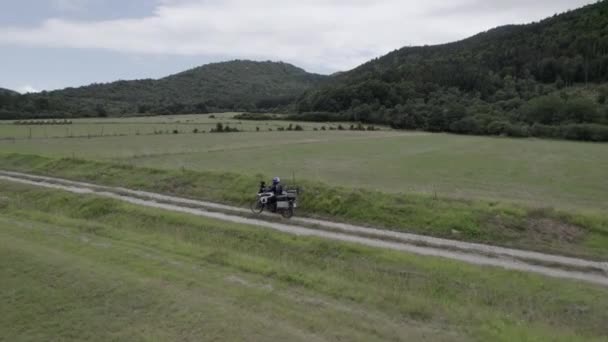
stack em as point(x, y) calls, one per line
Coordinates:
point(83, 251)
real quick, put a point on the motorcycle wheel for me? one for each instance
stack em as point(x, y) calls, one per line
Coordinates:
point(257, 207)
point(287, 213)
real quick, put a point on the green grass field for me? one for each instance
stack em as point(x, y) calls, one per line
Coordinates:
point(77, 268)
point(540, 173)
point(574, 232)
point(84, 268)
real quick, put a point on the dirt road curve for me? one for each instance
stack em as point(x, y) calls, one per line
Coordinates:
point(477, 254)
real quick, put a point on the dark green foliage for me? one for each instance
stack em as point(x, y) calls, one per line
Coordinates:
point(235, 85)
point(498, 82)
point(316, 117)
point(602, 94)
point(359, 127)
point(100, 110)
point(220, 128)
point(254, 117)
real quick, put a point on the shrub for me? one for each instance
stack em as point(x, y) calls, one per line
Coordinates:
point(517, 131)
point(254, 116)
point(467, 125)
point(298, 128)
point(580, 110)
point(544, 110)
point(228, 129)
point(315, 117)
point(544, 131)
point(497, 127)
point(587, 132)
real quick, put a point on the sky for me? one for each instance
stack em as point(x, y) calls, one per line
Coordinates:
point(52, 44)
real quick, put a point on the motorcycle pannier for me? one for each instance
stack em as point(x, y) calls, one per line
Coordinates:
point(282, 205)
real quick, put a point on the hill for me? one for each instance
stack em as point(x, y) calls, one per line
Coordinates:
point(234, 85)
point(502, 81)
point(4, 91)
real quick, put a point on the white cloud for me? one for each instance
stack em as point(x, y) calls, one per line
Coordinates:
point(26, 89)
point(317, 34)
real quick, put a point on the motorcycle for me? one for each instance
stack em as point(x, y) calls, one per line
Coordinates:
point(284, 204)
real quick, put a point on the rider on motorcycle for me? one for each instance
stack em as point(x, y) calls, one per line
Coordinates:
point(277, 190)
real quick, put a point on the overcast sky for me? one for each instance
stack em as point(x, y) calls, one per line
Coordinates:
point(49, 44)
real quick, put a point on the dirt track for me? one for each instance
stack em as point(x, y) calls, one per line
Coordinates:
point(478, 254)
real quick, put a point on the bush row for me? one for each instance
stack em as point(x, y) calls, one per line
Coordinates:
point(43, 122)
point(584, 132)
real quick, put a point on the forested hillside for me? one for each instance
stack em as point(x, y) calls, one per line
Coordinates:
point(235, 85)
point(545, 79)
point(4, 91)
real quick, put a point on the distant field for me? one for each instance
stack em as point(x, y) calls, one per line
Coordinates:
point(182, 124)
point(539, 172)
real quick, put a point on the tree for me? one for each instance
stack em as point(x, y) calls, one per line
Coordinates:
point(468, 125)
point(497, 127)
point(545, 110)
point(100, 110)
point(42, 104)
point(436, 121)
point(201, 108)
point(580, 110)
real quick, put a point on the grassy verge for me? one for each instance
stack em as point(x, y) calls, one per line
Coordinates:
point(572, 233)
point(80, 267)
